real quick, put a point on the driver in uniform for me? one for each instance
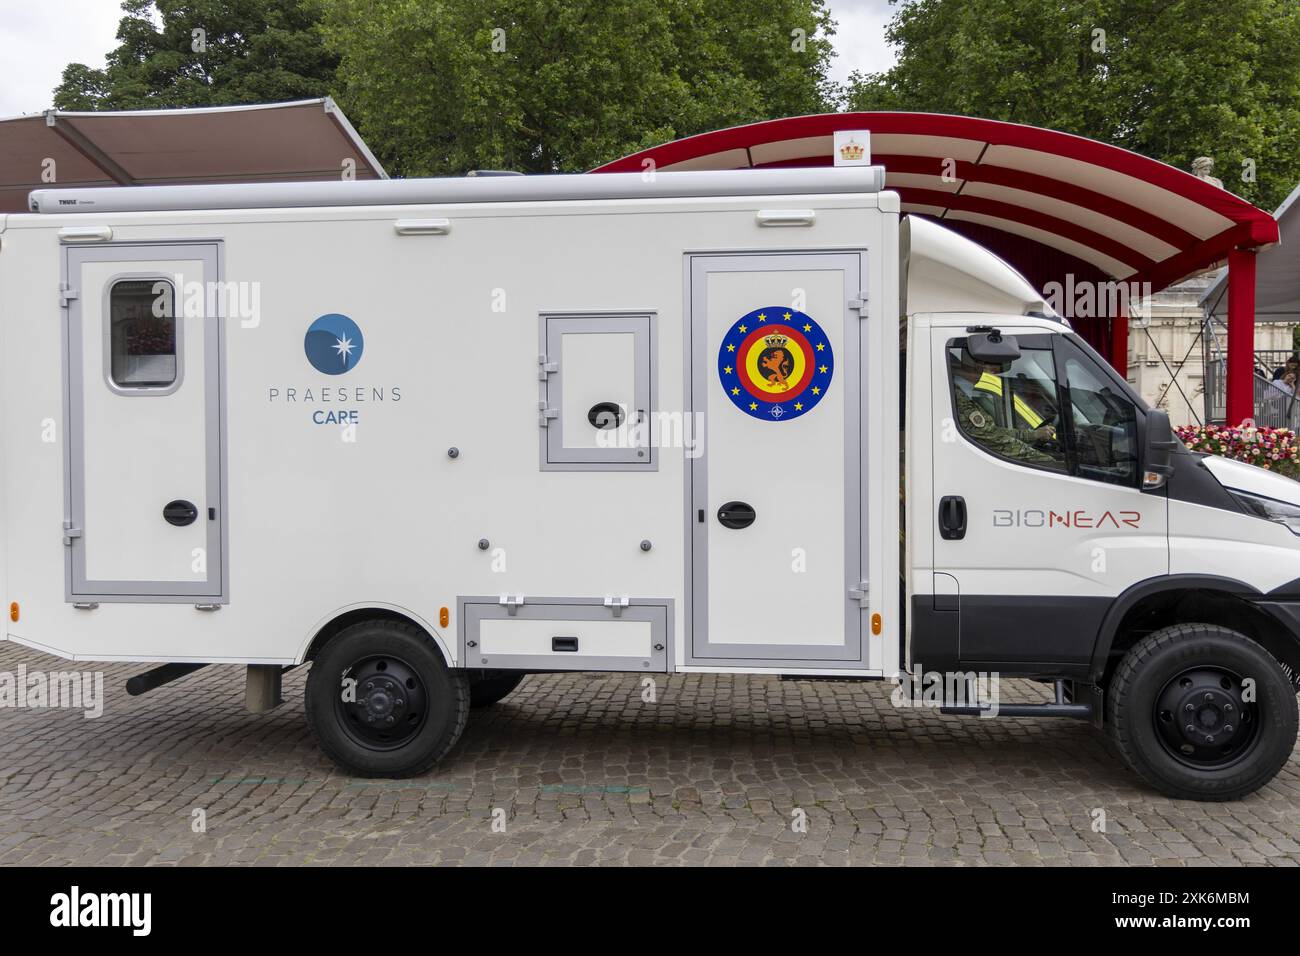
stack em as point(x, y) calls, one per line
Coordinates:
point(980, 413)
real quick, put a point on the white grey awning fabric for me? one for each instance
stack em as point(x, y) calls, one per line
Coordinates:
point(300, 141)
point(1277, 273)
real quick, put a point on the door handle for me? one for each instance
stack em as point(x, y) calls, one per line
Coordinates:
point(952, 517)
point(180, 512)
point(736, 514)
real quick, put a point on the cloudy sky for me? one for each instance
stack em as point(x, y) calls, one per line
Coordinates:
point(39, 37)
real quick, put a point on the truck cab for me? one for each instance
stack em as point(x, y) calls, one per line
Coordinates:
point(1057, 529)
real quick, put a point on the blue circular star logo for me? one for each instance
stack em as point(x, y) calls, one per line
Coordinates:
point(333, 344)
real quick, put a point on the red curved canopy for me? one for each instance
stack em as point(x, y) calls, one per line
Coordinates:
point(1050, 203)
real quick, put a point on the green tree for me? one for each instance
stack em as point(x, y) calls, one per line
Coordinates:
point(1171, 79)
point(250, 51)
point(443, 86)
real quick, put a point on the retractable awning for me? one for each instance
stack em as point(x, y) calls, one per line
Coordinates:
point(277, 142)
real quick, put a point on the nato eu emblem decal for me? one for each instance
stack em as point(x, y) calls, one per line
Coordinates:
point(775, 363)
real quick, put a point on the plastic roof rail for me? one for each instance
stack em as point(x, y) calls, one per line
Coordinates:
point(474, 189)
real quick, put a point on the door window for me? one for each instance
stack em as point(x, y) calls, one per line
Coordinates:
point(142, 335)
point(1015, 412)
point(1103, 423)
point(1011, 412)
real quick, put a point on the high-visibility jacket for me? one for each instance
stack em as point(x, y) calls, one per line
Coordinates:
point(993, 385)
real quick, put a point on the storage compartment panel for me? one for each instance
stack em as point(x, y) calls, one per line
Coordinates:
point(565, 634)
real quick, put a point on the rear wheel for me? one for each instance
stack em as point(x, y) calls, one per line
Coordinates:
point(1202, 712)
point(382, 702)
point(486, 691)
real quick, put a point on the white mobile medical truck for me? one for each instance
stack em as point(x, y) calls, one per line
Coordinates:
point(432, 435)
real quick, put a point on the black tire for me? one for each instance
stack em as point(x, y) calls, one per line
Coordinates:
point(407, 709)
point(486, 691)
point(1171, 705)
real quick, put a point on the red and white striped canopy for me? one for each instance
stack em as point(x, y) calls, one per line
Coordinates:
point(1048, 202)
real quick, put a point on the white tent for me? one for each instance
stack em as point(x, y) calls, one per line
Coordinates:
point(1277, 277)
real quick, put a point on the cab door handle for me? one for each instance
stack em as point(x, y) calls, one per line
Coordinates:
point(952, 517)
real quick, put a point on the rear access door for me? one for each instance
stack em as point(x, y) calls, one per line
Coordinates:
point(143, 488)
point(776, 569)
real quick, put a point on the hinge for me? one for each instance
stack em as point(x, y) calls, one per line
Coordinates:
point(69, 532)
point(85, 605)
point(617, 604)
point(861, 594)
point(207, 607)
point(545, 414)
point(860, 304)
point(511, 604)
point(66, 295)
point(545, 368)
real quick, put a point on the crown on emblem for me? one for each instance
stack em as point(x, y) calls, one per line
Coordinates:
point(776, 341)
point(852, 150)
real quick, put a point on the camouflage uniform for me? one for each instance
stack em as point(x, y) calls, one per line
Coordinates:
point(980, 423)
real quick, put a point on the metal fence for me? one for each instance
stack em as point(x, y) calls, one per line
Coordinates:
point(1276, 402)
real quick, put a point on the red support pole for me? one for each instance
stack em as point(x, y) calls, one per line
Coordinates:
point(1119, 341)
point(1241, 336)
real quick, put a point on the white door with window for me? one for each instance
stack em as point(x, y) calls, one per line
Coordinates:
point(144, 514)
point(1039, 516)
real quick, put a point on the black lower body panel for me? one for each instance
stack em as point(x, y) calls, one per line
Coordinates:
point(1048, 636)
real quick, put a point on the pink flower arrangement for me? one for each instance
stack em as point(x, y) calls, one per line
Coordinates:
point(1277, 449)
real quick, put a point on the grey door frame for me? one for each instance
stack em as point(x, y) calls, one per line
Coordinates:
point(698, 364)
point(77, 589)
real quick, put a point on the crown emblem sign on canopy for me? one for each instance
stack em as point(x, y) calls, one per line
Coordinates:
point(852, 150)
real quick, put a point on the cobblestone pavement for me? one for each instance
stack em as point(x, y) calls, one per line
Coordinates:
point(582, 771)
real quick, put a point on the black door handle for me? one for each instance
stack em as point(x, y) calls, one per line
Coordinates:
point(180, 512)
point(952, 517)
point(736, 514)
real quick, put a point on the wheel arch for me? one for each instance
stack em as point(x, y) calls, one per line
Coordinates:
point(1184, 599)
point(335, 622)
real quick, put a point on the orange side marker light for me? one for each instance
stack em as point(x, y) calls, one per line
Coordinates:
point(13, 612)
point(875, 624)
point(443, 617)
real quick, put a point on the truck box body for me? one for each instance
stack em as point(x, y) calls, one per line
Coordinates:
point(312, 519)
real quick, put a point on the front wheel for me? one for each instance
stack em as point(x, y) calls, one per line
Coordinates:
point(382, 702)
point(1202, 712)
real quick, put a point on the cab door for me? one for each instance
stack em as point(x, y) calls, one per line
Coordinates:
point(1039, 517)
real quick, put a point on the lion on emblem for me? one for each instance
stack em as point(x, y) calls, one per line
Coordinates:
point(778, 364)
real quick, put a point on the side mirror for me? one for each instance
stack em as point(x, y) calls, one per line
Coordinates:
point(992, 347)
point(1157, 462)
